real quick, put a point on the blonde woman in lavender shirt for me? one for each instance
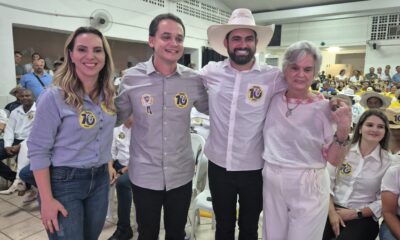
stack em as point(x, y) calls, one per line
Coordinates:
point(70, 142)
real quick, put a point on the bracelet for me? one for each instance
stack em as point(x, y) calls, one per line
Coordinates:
point(341, 143)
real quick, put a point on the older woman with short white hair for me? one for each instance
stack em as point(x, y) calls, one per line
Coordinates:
point(299, 139)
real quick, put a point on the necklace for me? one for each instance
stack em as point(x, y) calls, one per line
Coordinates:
point(290, 110)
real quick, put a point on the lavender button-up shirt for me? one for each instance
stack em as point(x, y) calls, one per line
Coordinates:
point(161, 154)
point(61, 136)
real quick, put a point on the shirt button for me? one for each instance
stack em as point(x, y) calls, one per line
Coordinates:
point(165, 108)
point(165, 154)
point(101, 128)
point(165, 138)
point(165, 123)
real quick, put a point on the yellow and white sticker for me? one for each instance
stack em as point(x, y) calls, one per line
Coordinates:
point(345, 169)
point(121, 135)
point(31, 115)
point(255, 94)
point(106, 110)
point(87, 119)
point(181, 100)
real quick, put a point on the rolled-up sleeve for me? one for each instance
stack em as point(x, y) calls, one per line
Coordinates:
point(122, 102)
point(202, 103)
point(376, 206)
point(44, 130)
point(9, 131)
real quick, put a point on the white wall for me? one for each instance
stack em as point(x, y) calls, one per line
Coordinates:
point(355, 59)
point(341, 32)
point(347, 33)
point(386, 53)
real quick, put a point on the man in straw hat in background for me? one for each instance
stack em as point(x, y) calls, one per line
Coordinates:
point(371, 100)
point(239, 94)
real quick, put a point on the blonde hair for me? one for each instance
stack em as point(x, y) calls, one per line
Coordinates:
point(67, 79)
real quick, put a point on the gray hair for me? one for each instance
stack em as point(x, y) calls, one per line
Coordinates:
point(298, 50)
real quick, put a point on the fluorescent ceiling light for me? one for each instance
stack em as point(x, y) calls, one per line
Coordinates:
point(333, 49)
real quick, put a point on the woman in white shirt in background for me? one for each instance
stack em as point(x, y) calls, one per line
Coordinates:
point(390, 188)
point(355, 205)
point(390, 227)
point(341, 77)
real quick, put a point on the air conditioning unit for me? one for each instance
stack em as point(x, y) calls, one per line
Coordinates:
point(393, 31)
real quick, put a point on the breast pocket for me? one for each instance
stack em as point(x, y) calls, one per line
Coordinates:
point(256, 94)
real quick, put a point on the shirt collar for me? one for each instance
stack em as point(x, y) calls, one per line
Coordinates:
point(88, 99)
point(43, 75)
point(255, 67)
point(150, 68)
point(32, 109)
point(375, 154)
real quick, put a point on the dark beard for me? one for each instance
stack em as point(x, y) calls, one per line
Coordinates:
point(241, 60)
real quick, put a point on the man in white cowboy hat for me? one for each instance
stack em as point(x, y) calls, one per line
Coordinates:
point(239, 94)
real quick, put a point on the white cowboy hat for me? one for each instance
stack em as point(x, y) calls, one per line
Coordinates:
point(347, 92)
point(240, 18)
point(365, 96)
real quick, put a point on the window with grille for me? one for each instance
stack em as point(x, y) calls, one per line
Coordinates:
point(160, 3)
point(203, 11)
point(385, 27)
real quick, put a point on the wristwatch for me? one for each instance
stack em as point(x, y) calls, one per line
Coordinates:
point(359, 214)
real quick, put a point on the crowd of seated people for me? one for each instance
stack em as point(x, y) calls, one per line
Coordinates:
point(365, 187)
point(15, 125)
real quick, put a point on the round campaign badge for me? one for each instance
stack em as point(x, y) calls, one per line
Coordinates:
point(31, 115)
point(87, 119)
point(345, 169)
point(255, 93)
point(181, 100)
point(121, 135)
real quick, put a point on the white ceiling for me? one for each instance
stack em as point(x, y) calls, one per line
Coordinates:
point(274, 5)
point(292, 11)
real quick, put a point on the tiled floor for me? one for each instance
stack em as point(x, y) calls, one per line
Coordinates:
point(22, 221)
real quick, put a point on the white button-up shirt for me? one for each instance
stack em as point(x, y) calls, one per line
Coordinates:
point(3, 119)
point(356, 183)
point(391, 183)
point(120, 144)
point(19, 125)
point(238, 102)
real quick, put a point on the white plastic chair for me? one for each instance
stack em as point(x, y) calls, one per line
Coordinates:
point(203, 200)
point(111, 202)
point(198, 143)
